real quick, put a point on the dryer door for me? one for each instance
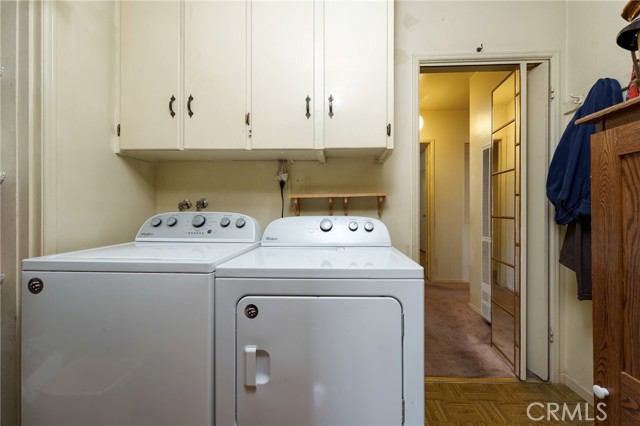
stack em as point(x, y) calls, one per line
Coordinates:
point(319, 361)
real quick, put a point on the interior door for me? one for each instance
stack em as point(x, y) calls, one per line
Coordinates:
point(505, 220)
point(319, 361)
point(615, 168)
point(536, 210)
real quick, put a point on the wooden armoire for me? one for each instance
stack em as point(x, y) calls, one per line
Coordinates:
point(615, 198)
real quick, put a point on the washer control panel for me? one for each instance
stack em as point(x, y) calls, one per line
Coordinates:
point(327, 231)
point(200, 226)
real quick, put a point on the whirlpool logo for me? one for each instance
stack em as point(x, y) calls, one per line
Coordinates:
point(547, 411)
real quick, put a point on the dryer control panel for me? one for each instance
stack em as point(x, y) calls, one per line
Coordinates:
point(200, 226)
point(332, 231)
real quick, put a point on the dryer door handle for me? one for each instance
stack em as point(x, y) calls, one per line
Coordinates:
point(250, 365)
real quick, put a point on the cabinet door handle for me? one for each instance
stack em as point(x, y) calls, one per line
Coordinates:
point(171, 101)
point(330, 106)
point(189, 106)
point(308, 114)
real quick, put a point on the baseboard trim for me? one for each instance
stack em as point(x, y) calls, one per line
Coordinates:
point(474, 308)
point(439, 281)
point(585, 393)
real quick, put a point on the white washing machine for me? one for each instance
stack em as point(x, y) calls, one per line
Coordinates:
point(321, 325)
point(123, 335)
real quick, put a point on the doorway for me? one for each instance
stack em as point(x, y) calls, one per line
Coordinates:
point(456, 108)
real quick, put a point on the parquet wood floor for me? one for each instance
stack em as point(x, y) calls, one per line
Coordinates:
point(498, 404)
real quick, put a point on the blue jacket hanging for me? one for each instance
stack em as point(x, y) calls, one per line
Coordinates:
point(569, 178)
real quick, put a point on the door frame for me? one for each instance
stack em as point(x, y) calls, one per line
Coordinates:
point(552, 232)
point(429, 153)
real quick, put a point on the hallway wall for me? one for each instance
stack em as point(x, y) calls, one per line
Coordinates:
point(449, 131)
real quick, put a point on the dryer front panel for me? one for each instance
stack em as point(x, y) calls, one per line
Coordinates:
point(319, 361)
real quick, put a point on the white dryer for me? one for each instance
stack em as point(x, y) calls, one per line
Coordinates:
point(123, 335)
point(321, 325)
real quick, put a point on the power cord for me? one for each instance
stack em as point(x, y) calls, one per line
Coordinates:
point(282, 177)
point(282, 196)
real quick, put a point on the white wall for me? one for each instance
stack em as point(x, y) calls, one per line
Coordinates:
point(592, 53)
point(449, 131)
point(91, 196)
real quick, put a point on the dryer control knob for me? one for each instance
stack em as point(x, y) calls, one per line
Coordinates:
point(172, 221)
point(240, 223)
point(353, 225)
point(224, 222)
point(368, 226)
point(156, 221)
point(326, 225)
point(198, 220)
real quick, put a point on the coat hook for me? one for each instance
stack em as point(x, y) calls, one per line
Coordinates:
point(480, 48)
point(576, 99)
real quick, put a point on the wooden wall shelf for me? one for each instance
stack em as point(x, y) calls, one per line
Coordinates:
point(379, 196)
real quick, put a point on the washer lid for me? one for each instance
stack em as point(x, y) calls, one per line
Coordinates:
point(321, 262)
point(142, 257)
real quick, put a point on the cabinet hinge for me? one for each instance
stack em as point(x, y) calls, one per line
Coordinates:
point(552, 94)
point(403, 411)
point(389, 129)
point(247, 119)
point(118, 129)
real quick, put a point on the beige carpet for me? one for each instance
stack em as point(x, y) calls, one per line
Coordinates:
point(457, 339)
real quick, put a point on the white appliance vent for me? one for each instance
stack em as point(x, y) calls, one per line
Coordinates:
point(485, 303)
point(486, 192)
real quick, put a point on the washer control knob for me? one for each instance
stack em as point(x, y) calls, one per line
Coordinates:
point(368, 226)
point(240, 223)
point(353, 225)
point(156, 221)
point(198, 220)
point(172, 221)
point(326, 225)
point(224, 222)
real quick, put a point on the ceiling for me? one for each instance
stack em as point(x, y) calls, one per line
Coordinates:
point(447, 88)
point(444, 91)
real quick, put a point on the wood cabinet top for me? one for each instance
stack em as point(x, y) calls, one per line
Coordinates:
point(614, 116)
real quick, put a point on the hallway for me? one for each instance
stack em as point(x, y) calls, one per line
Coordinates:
point(457, 339)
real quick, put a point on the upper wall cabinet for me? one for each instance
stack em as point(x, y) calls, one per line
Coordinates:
point(183, 75)
point(282, 75)
point(358, 71)
point(256, 79)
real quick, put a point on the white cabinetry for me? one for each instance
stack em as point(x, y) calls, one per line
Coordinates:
point(183, 75)
point(357, 78)
point(282, 75)
point(256, 79)
point(150, 74)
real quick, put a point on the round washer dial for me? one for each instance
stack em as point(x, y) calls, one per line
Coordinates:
point(198, 220)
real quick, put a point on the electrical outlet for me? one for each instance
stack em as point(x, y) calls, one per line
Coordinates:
point(282, 177)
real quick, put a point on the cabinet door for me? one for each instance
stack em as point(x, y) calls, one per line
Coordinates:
point(615, 202)
point(356, 76)
point(319, 361)
point(150, 74)
point(214, 79)
point(282, 61)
